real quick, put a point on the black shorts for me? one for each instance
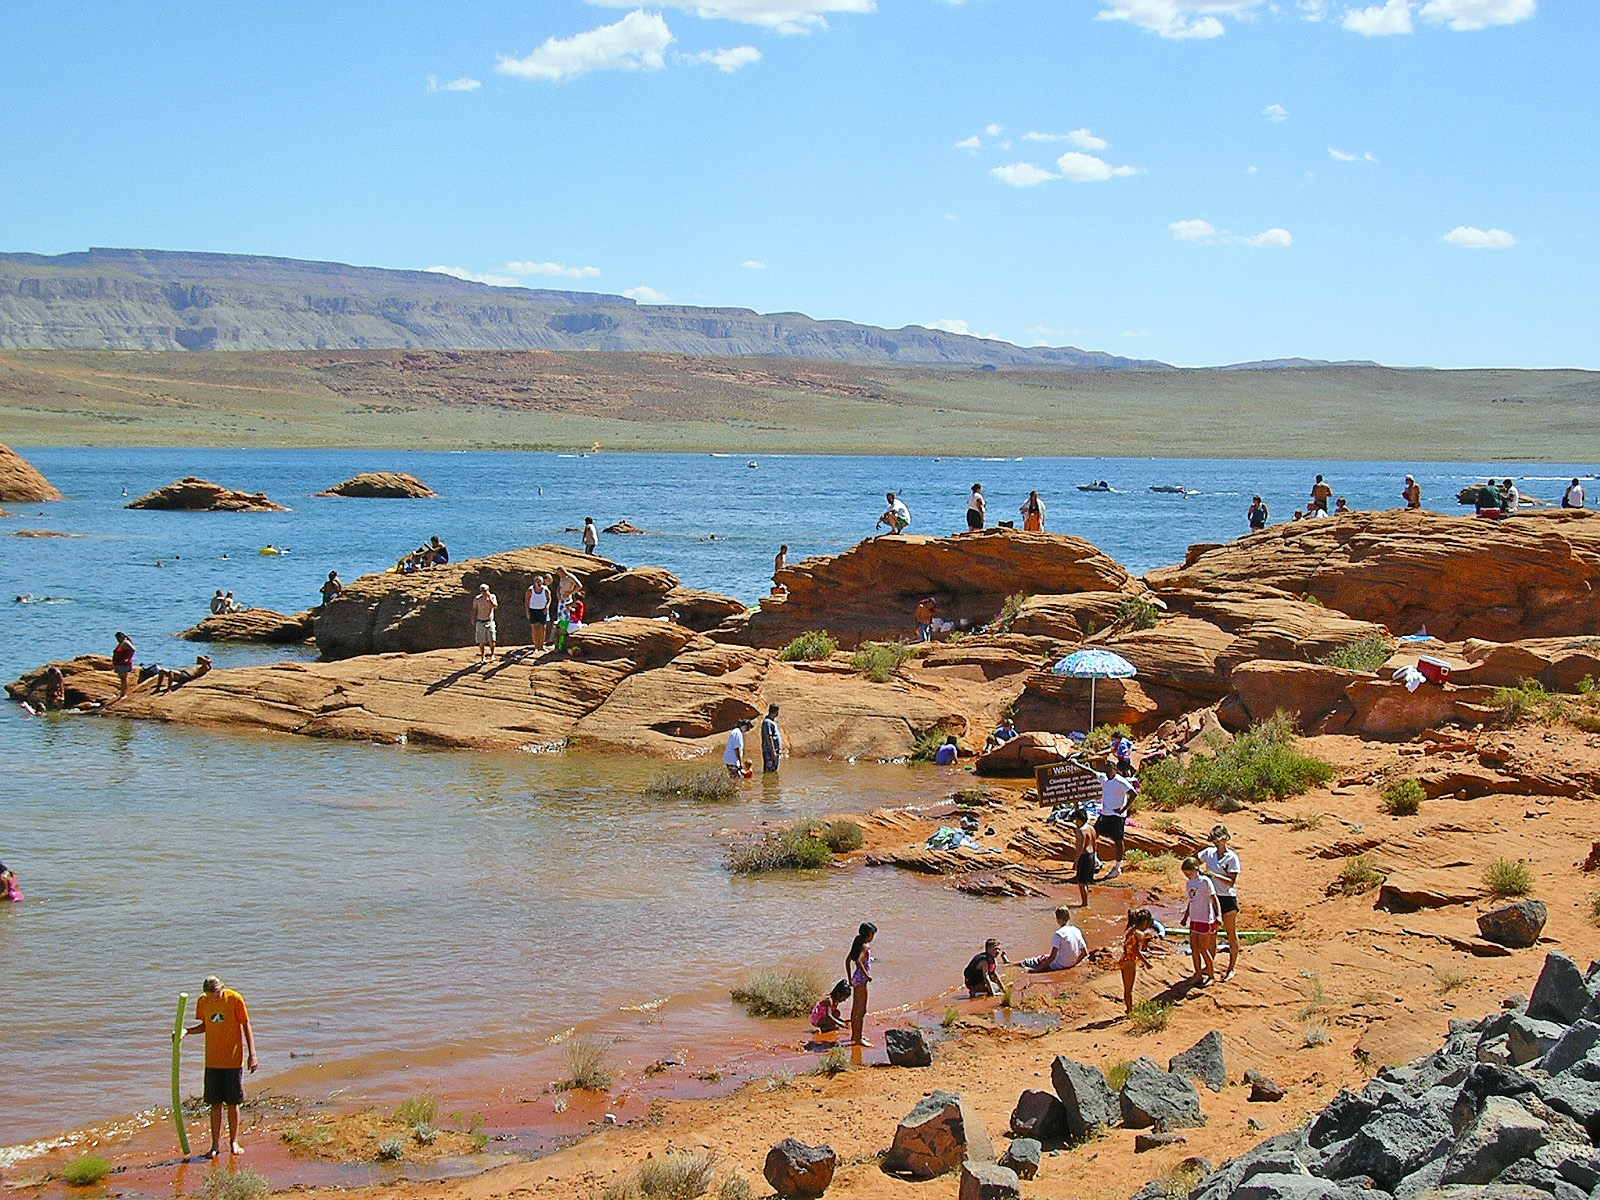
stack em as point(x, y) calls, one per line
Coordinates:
point(1111, 825)
point(224, 1085)
point(538, 616)
point(974, 519)
point(1087, 868)
point(1228, 904)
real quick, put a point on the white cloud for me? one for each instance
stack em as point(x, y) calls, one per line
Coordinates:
point(971, 143)
point(752, 264)
point(1271, 239)
point(1195, 230)
point(636, 43)
point(1251, 170)
point(947, 325)
point(1313, 10)
point(1022, 174)
point(1470, 237)
point(1204, 233)
point(1465, 15)
point(470, 277)
point(728, 60)
point(1086, 168)
point(1341, 156)
point(1380, 20)
point(1275, 112)
point(1080, 138)
point(1178, 18)
point(646, 295)
point(552, 268)
point(785, 16)
point(995, 130)
point(464, 84)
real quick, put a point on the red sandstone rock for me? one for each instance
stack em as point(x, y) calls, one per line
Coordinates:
point(381, 485)
point(1307, 691)
point(190, 494)
point(19, 480)
point(253, 625)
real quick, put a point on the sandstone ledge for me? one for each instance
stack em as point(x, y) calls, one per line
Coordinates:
point(191, 494)
point(253, 625)
point(381, 485)
point(20, 480)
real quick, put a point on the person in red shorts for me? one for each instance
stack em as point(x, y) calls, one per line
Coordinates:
point(230, 1044)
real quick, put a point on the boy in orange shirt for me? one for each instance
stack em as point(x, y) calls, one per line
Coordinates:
point(229, 1044)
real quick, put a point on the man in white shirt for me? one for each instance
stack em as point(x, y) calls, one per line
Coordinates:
point(1067, 947)
point(897, 516)
point(1111, 824)
point(1574, 496)
point(733, 756)
point(1510, 498)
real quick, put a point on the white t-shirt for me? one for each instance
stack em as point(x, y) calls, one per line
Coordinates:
point(975, 502)
point(1202, 898)
point(1069, 946)
point(1215, 862)
point(733, 756)
point(1574, 496)
point(1114, 793)
point(899, 507)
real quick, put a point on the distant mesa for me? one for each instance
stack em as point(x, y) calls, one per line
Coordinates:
point(382, 485)
point(20, 481)
point(190, 494)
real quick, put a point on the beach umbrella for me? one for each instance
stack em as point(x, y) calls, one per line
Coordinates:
point(1093, 665)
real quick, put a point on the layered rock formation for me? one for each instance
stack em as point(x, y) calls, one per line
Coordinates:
point(1533, 575)
point(431, 610)
point(253, 625)
point(191, 494)
point(381, 485)
point(869, 591)
point(21, 482)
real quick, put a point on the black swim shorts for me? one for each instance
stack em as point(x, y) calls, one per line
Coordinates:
point(538, 616)
point(974, 519)
point(1228, 904)
point(224, 1085)
point(1110, 825)
point(1087, 868)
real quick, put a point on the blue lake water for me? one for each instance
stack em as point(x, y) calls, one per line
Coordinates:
point(418, 908)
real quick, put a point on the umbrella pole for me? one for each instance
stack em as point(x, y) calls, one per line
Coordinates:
point(1091, 703)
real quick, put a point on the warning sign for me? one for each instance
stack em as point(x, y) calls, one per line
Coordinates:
point(1066, 783)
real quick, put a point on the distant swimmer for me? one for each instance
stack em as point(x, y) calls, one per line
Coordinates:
point(1258, 514)
point(1411, 493)
point(897, 516)
point(977, 509)
point(10, 889)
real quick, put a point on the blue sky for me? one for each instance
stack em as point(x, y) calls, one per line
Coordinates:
point(1412, 181)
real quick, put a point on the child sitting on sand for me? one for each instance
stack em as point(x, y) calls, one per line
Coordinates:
point(1135, 941)
point(981, 977)
point(1204, 914)
point(825, 1017)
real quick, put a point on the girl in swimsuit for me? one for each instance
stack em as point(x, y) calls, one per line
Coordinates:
point(858, 969)
point(1135, 940)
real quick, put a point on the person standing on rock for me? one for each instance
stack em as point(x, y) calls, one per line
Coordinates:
point(1032, 511)
point(538, 611)
point(122, 664)
point(1321, 493)
point(484, 606)
point(977, 509)
point(332, 588)
point(565, 584)
point(230, 1046)
point(780, 561)
point(1257, 515)
point(591, 538)
point(1411, 493)
point(1573, 497)
point(1136, 939)
point(858, 970)
point(771, 741)
point(1112, 823)
point(1221, 865)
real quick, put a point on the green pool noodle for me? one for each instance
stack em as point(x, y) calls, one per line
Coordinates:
point(177, 1098)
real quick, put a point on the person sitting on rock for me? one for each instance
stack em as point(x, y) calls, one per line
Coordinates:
point(927, 609)
point(218, 604)
point(332, 588)
point(982, 975)
point(1067, 947)
point(170, 680)
point(1006, 730)
point(948, 753)
point(1341, 507)
point(438, 553)
point(1489, 500)
point(1573, 497)
point(825, 1016)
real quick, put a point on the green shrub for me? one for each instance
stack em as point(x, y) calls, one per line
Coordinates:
point(1508, 877)
point(1594, 908)
point(971, 797)
point(1117, 1074)
point(878, 661)
point(588, 1062)
point(222, 1184)
point(1363, 654)
point(952, 1015)
point(795, 849)
point(391, 1149)
point(1403, 798)
point(1262, 763)
point(735, 1187)
point(833, 1062)
point(1150, 1016)
point(86, 1171)
point(1530, 702)
point(700, 783)
point(925, 746)
point(1007, 617)
point(841, 836)
point(780, 991)
point(810, 647)
point(675, 1175)
point(1101, 737)
point(1315, 1035)
point(419, 1110)
point(1156, 864)
point(1138, 612)
point(1359, 874)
